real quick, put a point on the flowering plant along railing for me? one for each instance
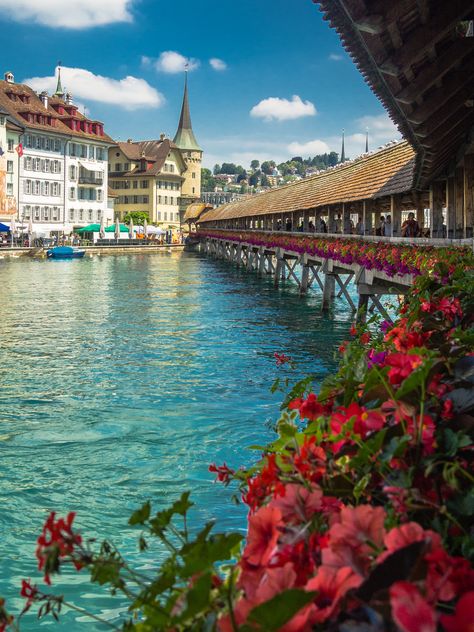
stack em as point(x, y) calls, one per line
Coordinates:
point(393, 259)
point(360, 511)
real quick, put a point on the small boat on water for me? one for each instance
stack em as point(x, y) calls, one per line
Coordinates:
point(65, 252)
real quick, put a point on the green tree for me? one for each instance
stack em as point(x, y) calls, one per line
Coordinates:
point(138, 218)
point(208, 182)
point(254, 165)
point(253, 180)
point(268, 166)
point(264, 182)
point(217, 169)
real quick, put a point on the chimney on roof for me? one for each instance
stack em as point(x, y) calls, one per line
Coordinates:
point(44, 98)
point(129, 140)
point(68, 98)
point(9, 77)
point(162, 136)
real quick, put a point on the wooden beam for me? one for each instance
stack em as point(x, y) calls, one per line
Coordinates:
point(372, 24)
point(459, 198)
point(451, 208)
point(434, 72)
point(425, 37)
point(448, 111)
point(458, 127)
point(452, 84)
point(437, 201)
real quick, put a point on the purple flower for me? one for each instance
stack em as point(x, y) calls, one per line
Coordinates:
point(375, 359)
point(385, 326)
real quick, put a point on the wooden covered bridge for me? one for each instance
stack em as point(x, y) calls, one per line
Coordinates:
point(417, 56)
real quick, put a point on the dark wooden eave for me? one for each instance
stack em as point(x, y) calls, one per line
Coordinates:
point(413, 58)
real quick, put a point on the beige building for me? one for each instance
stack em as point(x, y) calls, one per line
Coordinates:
point(159, 177)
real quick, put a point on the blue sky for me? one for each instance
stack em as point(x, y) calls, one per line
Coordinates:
point(279, 85)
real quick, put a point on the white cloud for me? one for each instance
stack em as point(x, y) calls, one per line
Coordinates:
point(335, 57)
point(73, 14)
point(311, 148)
point(379, 125)
point(172, 62)
point(217, 64)
point(283, 109)
point(129, 93)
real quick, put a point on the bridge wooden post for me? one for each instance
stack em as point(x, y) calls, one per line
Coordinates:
point(261, 260)
point(459, 201)
point(329, 287)
point(305, 270)
point(450, 209)
point(437, 200)
point(280, 266)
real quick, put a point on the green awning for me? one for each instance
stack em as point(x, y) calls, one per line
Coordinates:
point(111, 228)
point(92, 228)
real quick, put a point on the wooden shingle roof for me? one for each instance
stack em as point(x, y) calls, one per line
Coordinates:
point(387, 171)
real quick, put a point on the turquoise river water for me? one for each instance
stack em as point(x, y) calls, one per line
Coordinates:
point(121, 379)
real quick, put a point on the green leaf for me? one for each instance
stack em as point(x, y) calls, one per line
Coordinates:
point(203, 553)
point(414, 380)
point(106, 572)
point(361, 486)
point(140, 516)
point(273, 614)
point(275, 385)
point(197, 598)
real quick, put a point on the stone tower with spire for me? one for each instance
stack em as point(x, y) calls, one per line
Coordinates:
point(191, 152)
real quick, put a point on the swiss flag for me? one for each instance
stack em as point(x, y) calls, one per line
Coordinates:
point(19, 150)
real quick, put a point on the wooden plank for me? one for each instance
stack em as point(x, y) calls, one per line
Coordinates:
point(459, 201)
point(468, 195)
point(437, 202)
point(431, 74)
point(396, 213)
point(421, 39)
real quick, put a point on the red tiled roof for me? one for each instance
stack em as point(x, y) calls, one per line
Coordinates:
point(32, 104)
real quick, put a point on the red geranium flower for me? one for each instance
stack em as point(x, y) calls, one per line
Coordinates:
point(263, 534)
point(402, 366)
point(463, 618)
point(410, 611)
point(56, 542)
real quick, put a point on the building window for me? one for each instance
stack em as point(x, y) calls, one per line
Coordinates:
point(28, 140)
point(91, 152)
point(194, 190)
point(194, 175)
point(46, 213)
point(10, 144)
point(57, 145)
point(46, 188)
point(166, 199)
point(72, 193)
point(72, 150)
point(47, 144)
point(27, 187)
point(72, 172)
point(2, 120)
point(27, 212)
point(126, 166)
point(159, 216)
point(37, 187)
point(99, 195)
point(118, 166)
point(38, 142)
point(55, 216)
point(135, 184)
point(145, 184)
point(145, 199)
point(37, 213)
point(165, 216)
point(9, 188)
point(47, 165)
point(84, 151)
point(9, 166)
point(56, 189)
point(81, 215)
point(91, 215)
point(71, 215)
point(159, 199)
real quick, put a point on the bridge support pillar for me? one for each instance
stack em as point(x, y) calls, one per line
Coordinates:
point(329, 290)
point(279, 267)
point(261, 260)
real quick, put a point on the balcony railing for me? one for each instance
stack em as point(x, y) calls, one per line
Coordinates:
point(91, 178)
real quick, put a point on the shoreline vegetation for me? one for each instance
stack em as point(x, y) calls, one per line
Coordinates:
point(360, 511)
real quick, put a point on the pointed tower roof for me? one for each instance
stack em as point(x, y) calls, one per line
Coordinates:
point(59, 88)
point(367, 140)
point(343, 153)
point(184, 137)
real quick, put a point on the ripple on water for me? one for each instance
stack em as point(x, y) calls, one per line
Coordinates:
point(122, 379)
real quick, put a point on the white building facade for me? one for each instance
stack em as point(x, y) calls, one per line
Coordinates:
point(58, 162)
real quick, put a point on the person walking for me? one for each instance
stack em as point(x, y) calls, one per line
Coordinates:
point(380, 230)
point(387, 227)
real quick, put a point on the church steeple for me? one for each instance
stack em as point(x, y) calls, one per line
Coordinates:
point(59, 88)
point(343, 153)
point(366, 140)
point(184, 137)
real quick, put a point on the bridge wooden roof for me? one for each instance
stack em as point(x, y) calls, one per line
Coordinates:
point(384, 172)
point(414, 58)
